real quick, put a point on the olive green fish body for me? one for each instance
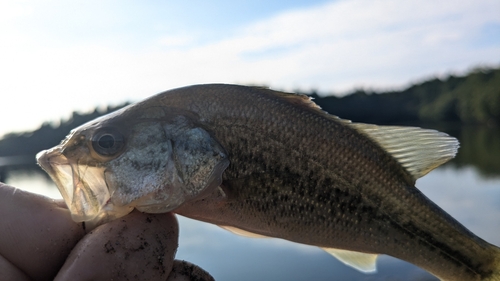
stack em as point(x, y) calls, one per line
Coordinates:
point(301, 175)
point(265, 163)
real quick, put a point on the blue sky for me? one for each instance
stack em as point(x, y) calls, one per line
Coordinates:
point(59, 56)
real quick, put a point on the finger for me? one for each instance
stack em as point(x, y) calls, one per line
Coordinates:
point(186, 271)
point(136, 247)
point(36, 234)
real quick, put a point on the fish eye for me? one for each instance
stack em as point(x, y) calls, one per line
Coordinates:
point(108, 142)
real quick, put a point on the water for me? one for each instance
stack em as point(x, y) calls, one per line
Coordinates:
point(468, 189)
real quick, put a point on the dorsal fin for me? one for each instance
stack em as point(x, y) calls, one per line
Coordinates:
point(306, 102)
point(363, 262)
point(418, 150)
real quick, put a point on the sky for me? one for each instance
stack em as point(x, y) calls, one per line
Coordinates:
point(59, 56)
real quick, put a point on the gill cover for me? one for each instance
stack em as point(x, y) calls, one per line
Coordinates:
point(154, 165)
point(165, 165)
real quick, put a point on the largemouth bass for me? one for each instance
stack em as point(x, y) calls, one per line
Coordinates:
point(263, 163)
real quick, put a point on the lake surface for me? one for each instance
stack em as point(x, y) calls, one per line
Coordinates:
point(468, 188)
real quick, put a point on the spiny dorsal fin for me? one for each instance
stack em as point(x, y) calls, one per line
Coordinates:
point(306, 102)
point(300, 100)
point(363, 262)
point(418, 150)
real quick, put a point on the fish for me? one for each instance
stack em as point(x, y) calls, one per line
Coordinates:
point(264, 163)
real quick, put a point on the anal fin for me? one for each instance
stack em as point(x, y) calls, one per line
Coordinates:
point(241, 232)
point(363, 262)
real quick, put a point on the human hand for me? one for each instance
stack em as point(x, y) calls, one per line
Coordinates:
point(39, 241)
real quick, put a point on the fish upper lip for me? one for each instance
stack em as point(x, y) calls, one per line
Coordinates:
point(50, 157)
point(45, 154)
point(77, 192)
point(51, 161)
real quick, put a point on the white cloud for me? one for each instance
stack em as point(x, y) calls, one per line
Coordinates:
point(346, 43)
point(334, 46)
point(13, 10)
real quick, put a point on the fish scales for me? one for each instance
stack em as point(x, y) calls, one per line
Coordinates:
point(367, 192)
point(300, 174)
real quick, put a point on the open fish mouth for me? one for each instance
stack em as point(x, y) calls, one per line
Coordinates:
point(82, 187)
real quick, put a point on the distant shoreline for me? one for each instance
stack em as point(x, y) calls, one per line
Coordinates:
point(17, 160)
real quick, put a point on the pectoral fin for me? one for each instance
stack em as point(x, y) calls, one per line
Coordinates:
point(363, 262)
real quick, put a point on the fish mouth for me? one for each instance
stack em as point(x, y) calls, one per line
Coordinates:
point(82, 187)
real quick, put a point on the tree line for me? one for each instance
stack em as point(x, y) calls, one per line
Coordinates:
point(470, 99)
point(458, 101)
point(48, 135)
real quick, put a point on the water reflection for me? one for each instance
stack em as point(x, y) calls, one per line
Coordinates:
point(468, 196)
point(479, 147)
point(468, 188)
point(33, 180)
